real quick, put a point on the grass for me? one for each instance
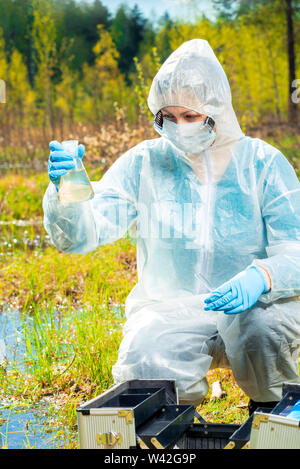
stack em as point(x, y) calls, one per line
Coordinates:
point(72, 310)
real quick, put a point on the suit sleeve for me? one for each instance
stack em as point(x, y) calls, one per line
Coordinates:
point(79, 228)
point(280, 206)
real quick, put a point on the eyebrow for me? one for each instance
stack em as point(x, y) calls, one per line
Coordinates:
point(182, 113)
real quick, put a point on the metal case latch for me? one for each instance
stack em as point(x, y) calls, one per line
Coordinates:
point(109, 439)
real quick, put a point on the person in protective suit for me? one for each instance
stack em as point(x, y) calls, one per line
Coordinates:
point(217, 216)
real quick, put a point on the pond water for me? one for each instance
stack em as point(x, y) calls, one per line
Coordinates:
point(20, 235)
point(23, 427)
point(26, 428)
point(12, 347)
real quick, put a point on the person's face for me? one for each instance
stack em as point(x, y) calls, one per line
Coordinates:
point(182, 115)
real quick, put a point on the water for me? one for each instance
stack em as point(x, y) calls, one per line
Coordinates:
point(18, 235)
point(12, 347)
point(75, 186)
point(25, 426)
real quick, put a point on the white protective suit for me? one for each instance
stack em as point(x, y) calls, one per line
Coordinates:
point(235, 204)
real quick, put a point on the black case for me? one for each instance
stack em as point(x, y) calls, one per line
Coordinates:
point(207, 436)
point(161, 423)
point(290, 395)
point(158, 419)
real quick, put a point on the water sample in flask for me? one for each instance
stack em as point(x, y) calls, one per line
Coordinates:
point(75, 185)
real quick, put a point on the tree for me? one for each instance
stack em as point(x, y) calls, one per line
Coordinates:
point(226, 9)
point(76, 23)
point(44, 37)
point(21, 96)
point(74, 20)
point(4, 118)
point(286, 10)
point(146, 69)
point(66, 98)
point(292, 58)
point(127, 32)
point(102, 84)
point(253, 58)
point(16, 19)
point(163, 37)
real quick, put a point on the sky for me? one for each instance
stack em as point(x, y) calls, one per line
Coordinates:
point(154, 9)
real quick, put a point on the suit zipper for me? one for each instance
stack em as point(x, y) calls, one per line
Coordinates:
point(207, 212)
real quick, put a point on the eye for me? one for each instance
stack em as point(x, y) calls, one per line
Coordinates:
point(168, 116)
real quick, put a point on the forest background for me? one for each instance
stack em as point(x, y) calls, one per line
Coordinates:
point(71, 68)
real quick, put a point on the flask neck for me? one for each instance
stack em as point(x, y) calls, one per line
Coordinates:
point(78, 163)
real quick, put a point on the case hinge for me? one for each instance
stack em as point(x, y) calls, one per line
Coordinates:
point(259, 418)
point(128, 414)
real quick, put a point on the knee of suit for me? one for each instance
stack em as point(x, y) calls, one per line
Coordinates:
point(259, 332)
point(194, 402)
point(194, 393)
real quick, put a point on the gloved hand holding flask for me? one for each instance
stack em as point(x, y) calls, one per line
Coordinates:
point(67, 172)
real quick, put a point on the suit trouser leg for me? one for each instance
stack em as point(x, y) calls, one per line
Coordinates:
point(164, 345)
point(262, 348)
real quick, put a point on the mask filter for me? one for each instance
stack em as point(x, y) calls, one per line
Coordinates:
point(189, 138)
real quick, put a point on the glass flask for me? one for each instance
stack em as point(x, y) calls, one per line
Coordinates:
point(75, 185)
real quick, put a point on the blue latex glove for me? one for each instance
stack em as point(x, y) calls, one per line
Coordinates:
point(240, 293)
point(60, 161)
